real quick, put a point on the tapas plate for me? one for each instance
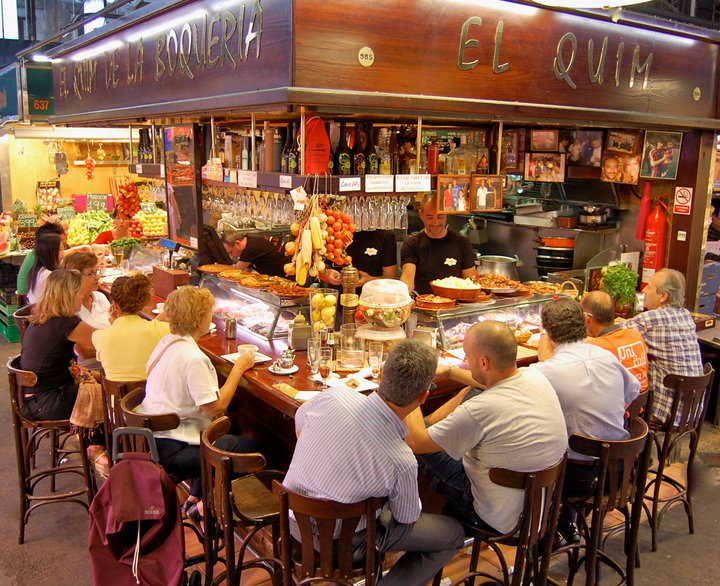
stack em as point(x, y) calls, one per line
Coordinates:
point(283, 371)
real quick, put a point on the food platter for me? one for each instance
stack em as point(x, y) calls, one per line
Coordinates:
point(215, 269)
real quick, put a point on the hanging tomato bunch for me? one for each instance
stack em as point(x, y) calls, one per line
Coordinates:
point(89, 167)
point(340, 231)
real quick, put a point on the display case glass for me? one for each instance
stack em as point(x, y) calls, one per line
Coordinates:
point(256, 311)
point(522, 314)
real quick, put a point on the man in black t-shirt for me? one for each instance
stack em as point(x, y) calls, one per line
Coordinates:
point(435, 252)
point(258, 253)
point(374, 255)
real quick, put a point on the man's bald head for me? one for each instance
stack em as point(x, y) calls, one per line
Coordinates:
point(496, 341)
point(600, 306)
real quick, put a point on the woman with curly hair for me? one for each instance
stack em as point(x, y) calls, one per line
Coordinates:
point(181, 379)
point(123, 349)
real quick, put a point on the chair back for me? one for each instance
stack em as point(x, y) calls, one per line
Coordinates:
point(639, 407)
point(618, 465)
point(162, 422)
point(323, 555)
point(689, 400)
point(113, 392)
point(18, 380)
point(21, 317)
point(219, 468)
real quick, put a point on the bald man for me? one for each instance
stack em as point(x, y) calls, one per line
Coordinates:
point(627, 344)
point(515, 423)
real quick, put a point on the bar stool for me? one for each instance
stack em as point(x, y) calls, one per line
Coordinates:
point(113, 392)
point(163, 422)
point(619, 483)
point(230, 503)
point(29, 436)
point(316, 521)
point(21, 317)
point(684, 422)
point(533, 531)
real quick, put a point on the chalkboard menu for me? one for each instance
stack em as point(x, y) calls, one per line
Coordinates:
point(27, 220)
point(66, 212)
point(96, 201)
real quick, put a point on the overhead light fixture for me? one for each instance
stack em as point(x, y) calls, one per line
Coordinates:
point(40, 58)
point(588, 3)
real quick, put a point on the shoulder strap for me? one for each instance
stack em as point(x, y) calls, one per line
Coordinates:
point(159, 356)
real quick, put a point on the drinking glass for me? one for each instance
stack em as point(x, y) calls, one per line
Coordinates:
point(326, 364)
point(313, 354)
point(375, 356)
point(119, 255)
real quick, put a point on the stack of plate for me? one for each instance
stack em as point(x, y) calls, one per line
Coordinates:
point(550, 259)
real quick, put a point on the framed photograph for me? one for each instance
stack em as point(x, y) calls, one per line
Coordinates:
point(618, 168)
point(585, 148)
point(544, 167)
point(486, 193)
point(510, 149)
point(544, 140)
point(622, 141)
point(453, 194)
point(661, 154)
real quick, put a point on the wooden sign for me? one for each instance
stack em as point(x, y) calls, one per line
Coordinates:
point(66, 212)
point(27, 220)
point(96, 201)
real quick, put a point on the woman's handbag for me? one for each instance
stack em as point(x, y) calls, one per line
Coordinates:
point(88, 411)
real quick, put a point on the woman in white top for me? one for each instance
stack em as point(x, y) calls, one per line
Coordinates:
point(95, 308)
point(47, 259)
point(181, 379)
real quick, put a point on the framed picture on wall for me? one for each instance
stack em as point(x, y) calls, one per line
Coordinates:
point(453, 194)
point(544, 140)
point(544, 167)
point(585, 148)
point(661, 154)
point(622, 141)
point(486, 193)
point(617, 168)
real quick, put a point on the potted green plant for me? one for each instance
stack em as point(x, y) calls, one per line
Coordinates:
point(620, 282)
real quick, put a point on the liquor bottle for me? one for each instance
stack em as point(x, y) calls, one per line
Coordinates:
point(294, 153)
point(267, 143)
point(394, 153)
point(372, 161)
point(245, 156)
point(344, 155)
point(358, 152)
point(329, 128)
point(433, 156)
point(408, 154)
point(286, 150)
point(385, 167)
point(459, 159)
point(493, 166)
point(277, 150)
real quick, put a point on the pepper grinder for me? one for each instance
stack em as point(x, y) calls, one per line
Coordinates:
point(349, 278)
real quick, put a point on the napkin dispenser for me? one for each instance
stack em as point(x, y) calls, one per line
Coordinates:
point(166, 281)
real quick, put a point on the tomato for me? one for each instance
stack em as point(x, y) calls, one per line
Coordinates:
point(348, 259)
point(337, 227)
point(351, 228)
point(330, 248)
point(338, 244)
point(346, 218)
point(330, 232)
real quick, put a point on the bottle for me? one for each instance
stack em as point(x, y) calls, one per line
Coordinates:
point(245, 156)
point(493, 165)
point(372, 161)
point(331, 159)
point(433, 156)
point(286, 150)
point(267, 147)
point(459, 159)
point(277, 150)
point(294, 153)
point(358, 152)
point(394, 153)
point(408, 154)
point(344, 158)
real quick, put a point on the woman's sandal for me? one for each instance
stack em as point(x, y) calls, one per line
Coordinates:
point(100, 460)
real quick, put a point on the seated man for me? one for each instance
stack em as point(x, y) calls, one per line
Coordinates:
point(671, 338)
point(627, 344)
point(515, 423)
point(350, 447)
point(593, 388)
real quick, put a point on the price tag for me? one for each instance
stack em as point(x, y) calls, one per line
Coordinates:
point(350, 184)
point(138, 169)
point(407, 183)
point(299, 197)
point(193, 242)
point(247, 178)
point(233, 175)
point(379, 183)
point(96, 201)
point(68, 212)
point(286, 181)
point(27, 220)
point(148, 207)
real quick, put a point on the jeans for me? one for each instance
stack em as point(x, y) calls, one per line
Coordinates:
point(429, 544)
point(183, 460)
point(448, 478)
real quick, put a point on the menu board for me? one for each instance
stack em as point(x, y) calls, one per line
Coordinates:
point(183, 193)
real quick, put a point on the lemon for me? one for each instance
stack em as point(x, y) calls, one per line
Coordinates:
point(317, 326)
point(315, 315)
point(317, 300)
point(329, 300)
point(328, 315)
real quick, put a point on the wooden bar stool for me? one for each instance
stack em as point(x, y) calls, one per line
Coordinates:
point(532, 535)
point(21, 317)
point(316, 520)
point(231, 502)
point(30, 436)
point(113, 392)
point(684, 423)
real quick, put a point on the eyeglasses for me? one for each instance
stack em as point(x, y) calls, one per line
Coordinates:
point(589, 314)
point(92, 274)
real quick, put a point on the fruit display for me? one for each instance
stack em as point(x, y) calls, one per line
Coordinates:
point(84, 228)
point(323, 307)
point(135, 228)
point(321, 235)
point(48, 192)
point(153, 224)
point(128, 200)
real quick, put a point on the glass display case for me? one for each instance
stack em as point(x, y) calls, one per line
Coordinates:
point(522, 314)
point(258, 312)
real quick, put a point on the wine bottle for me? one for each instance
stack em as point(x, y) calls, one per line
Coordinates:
point(394, 152)
point(286, 150)
point(333, 151)
point(344, 158)
point(372, 161)
point(384, 152)
point(358, 153)
point(294, 153)
point(245, 156)
point(277, 150)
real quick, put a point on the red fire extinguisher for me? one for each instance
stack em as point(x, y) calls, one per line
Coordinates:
point(655, 234)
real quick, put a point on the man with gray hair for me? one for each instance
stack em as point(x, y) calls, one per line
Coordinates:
point(350, 447)
point(671, 338)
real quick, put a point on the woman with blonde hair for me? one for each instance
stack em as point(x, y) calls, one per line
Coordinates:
point(181, 379)
point(47, 348)
point(124, 348)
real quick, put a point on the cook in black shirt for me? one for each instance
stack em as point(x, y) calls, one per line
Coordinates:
point(258, 253)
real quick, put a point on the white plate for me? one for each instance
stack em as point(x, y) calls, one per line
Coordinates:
point(156, 311)
point(363, 384)
point(274, 370)
point(234, 356)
